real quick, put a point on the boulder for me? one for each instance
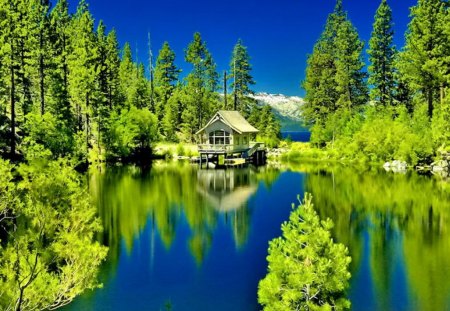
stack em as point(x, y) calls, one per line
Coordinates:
point(400, 165)
point(440, 166)
point(396, 166)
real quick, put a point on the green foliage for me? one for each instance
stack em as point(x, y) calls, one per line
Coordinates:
point(395, 124)
point(50, 133)
point(8, 198)
point(424, 58)
point(240, 73)
point(269, 127)
point(131, 133)
point(381, 56)
point(58, 71)
point(334, 76)
point(307, 269)
point(166, 75)
point(49, 256)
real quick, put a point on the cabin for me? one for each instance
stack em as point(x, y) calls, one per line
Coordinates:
point(228, 135)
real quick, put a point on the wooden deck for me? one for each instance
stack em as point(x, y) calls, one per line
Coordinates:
point(220, 149)
point(230, 155)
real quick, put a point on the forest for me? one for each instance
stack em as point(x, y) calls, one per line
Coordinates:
point(68, 90)
point(396, 106)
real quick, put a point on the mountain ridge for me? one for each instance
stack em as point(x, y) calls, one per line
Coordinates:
point(287, 109)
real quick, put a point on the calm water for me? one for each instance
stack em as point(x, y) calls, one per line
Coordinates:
point(304, 136)
point(184, 239)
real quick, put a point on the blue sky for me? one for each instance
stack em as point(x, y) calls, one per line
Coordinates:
point(279, 34)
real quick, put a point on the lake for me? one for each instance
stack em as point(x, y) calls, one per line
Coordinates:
point(186, 239)
point(302, 136)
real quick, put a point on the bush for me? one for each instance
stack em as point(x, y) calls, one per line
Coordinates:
point(131, 133)
point(46, 132)
point(382, 135)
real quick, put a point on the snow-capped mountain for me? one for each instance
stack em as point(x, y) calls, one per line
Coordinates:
point(286, 108)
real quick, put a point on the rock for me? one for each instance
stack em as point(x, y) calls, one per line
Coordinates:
point(399, 164)
point(440, 166)
point(396, 166)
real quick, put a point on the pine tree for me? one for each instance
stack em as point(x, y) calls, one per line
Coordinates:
point(320, 83)
point(240, 69)
point(10, 59)
point(60, 25)
point(381, 56)
point(127, 74)
point(307, 269)
point(166, 76)
point(422, 58)
point(334, 75)
point(141, 96)
point(350, 76)
point(201, 82)
point(82, 63)
point(115, 93)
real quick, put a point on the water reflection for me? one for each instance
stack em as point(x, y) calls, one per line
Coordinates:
point(170, 193)
point(198, 239)
point(396, 226)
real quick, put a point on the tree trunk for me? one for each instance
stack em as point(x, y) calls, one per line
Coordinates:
point(41, 74)
point(87, 121)
point(13, 107)
point(430, 102)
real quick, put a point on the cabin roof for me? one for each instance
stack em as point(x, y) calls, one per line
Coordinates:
point(233, 119)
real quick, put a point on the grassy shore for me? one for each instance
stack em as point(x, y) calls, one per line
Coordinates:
point(175, 150)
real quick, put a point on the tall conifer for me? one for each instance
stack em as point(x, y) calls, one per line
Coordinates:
point(381, 56)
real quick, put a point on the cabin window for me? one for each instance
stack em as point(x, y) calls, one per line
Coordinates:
point(244, 140)
point(219, 138)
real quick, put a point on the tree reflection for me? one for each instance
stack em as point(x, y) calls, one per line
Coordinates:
point(128, 201)
point(406, 218)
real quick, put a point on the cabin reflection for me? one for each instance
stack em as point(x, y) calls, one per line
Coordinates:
point(227, 190)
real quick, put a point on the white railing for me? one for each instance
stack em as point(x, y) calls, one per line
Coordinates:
point(215, 148)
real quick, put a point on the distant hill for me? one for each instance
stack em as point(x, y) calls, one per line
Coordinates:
point(286, 108)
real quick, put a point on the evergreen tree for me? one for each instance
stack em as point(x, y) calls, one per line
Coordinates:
point(127, 74)
point(320, 82)
point(166, 76)
point(240, 69)
point(115, 92)
point(424, 53)
point(172, 116)
point(82, 63)
point(41, 56)
point(269, 127)
point(141, 95)
point(10, 60)
point(381, 56)
point(307, 269)
point(350, 76)
point(335, 77)
point(60, 25)
point(201, 82)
